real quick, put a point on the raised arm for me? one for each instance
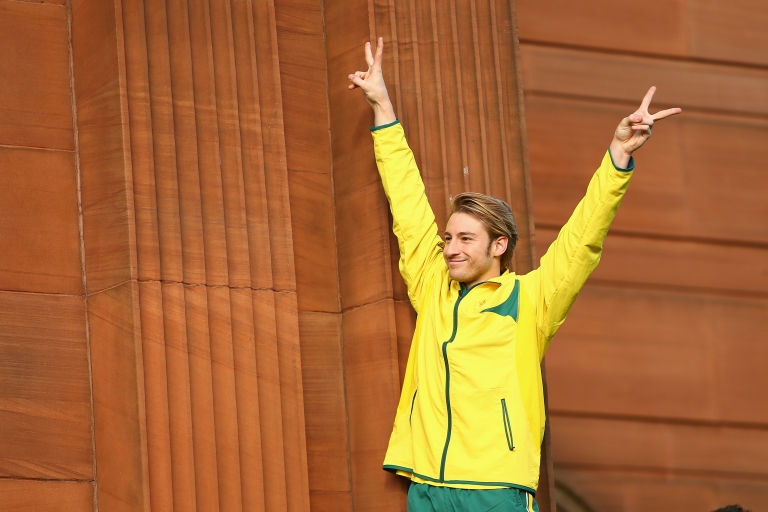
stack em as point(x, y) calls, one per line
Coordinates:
point(576, 252)
point(413, 220)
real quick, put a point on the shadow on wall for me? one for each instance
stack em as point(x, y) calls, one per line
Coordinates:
point(569, 500)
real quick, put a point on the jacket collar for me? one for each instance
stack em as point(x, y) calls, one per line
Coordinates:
point(462, 288)
point(499, 279)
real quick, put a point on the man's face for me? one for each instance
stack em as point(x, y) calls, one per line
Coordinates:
point(468, 251)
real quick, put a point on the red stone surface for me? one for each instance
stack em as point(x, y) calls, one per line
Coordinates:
point(656, 380)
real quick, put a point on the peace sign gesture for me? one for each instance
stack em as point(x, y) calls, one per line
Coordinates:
point(634, 130)
point(372, 84)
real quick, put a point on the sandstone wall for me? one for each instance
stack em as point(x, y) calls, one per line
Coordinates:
point(657, 381)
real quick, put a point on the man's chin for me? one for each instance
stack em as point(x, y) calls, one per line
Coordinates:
point(458, 275)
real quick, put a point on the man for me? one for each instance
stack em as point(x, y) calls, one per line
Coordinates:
point(470, 420)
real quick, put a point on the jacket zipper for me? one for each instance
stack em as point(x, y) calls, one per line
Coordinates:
point(507, 425)
point(448, 381)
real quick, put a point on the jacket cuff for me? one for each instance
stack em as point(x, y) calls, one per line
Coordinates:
point(381, 127)
point(630, 166)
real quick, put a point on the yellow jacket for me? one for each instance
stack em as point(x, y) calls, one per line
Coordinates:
point(471, 412)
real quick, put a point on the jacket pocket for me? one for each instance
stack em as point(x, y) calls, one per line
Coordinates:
point(413, 403)
point(507, 425)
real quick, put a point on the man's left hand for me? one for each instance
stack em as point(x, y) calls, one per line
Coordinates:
point(636, 129)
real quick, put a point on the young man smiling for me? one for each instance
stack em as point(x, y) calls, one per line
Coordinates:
point(479, 239)
point(470, 420)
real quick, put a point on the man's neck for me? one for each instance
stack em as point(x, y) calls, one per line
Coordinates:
point(494, 271)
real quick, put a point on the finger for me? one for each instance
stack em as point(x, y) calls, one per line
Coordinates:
point(356, 81)
point(647, 99)
point(627, 121)
point(638, 127)
point(368, 54)
point(666, 113)
point(359, 74)
point(379, 52)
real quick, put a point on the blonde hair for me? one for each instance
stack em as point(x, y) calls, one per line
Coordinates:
point(494, 214)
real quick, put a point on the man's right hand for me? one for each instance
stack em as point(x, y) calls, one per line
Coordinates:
point(372, 84)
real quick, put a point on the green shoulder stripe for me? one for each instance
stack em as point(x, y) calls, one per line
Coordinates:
point(509, 307)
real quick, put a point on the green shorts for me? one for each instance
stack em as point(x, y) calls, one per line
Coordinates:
point(431, 498)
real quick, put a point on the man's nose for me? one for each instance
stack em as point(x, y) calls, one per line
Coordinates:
point(450, 248)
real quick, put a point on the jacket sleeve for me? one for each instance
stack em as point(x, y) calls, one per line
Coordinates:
point(421, 248)
point(575, 253)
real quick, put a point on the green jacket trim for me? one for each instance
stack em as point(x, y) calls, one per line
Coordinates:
point(382, 126)
point(413, 402)
point(448, 378)
point(394, 469)
point(630, 166)
point(510, 307)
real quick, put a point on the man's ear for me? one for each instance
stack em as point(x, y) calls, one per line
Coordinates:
point(499, 246)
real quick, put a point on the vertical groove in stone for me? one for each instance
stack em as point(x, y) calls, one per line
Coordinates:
point(237, 255)
point(276, 172)
point(482, 107)
point(185, 131)
point(177, 362)
point(270, 406)
point(469, 99)
point(209, 158)
point(516, 138)
point(229, 144)
point(417, 88)
point(252, 145)
point(417, 82)
point(224, 399)
point(155, 382)
point(145, 205)
point(247, 397)
point(388, 9)
point(148, 258)
point(192, 139)
point(180, 397)
point(441, 121)
point(164, 146)
point(496, 149)
point(289, 387)
point(485, 91)
point(459, 95)
point(201, 388)
point(289, 352)
point(256, 235)
point(505, 163)
point(449, 115)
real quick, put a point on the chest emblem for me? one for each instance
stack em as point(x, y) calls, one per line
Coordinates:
point(510, 307)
